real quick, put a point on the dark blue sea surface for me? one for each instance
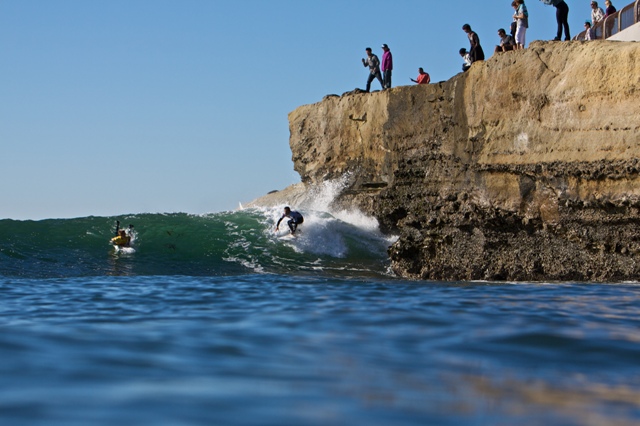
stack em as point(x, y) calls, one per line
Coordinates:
point(275, 332)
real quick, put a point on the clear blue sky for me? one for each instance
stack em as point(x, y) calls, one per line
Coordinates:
point(134, 106)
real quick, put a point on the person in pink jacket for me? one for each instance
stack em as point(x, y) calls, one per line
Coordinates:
point(387, 67)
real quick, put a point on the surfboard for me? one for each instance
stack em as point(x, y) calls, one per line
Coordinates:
point(124, 250)
point(289, 236)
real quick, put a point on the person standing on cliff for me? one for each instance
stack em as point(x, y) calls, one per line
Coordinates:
point(387, 67)
point(588, 32)
point(476, 53)
point(522, 17)
point(597, 14)
point(423, 77)
point(373, 63)
point(562, 18)
point(610, 8)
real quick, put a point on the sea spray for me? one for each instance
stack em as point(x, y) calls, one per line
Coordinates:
point(328, 230)
point(323, 196)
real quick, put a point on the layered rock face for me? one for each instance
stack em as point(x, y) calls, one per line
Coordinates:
point(524, 168)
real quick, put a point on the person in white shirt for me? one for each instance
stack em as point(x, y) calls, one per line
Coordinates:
point(466, 58)
point(597, 14)
point(588, 32)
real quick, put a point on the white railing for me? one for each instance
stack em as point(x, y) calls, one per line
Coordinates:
point(616, 22)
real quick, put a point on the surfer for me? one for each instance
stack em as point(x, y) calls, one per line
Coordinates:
point(295, 219)
point(129, 230)
point(123, 237)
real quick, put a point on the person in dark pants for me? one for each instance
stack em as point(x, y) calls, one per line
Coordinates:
point(373, 63)
point(387, 66)
point(476, 53)
point(562, 17)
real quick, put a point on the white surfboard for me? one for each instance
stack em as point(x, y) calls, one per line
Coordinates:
point(288, 235)
point(124, 250)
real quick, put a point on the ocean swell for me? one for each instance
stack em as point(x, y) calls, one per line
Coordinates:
point(226, 243)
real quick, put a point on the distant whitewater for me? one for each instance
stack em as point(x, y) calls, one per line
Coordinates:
point(218, 244)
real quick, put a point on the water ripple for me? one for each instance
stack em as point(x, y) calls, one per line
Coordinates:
point(312, 350)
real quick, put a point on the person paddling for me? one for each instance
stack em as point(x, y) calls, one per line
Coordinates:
point(123, 237)
point(295, 219)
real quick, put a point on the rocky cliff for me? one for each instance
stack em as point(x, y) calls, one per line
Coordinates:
point(524, 168)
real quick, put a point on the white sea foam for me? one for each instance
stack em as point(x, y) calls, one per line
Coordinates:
point(326, 230)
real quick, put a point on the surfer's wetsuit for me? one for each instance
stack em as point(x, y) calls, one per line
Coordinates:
point(296, 219)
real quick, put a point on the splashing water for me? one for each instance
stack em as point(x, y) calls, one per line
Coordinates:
point(329, 231)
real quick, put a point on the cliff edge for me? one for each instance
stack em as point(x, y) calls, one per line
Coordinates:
point(524, 168)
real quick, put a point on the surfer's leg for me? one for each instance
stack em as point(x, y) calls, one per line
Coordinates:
point(292, 226)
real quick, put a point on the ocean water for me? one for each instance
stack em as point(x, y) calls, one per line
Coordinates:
point(215, 320)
